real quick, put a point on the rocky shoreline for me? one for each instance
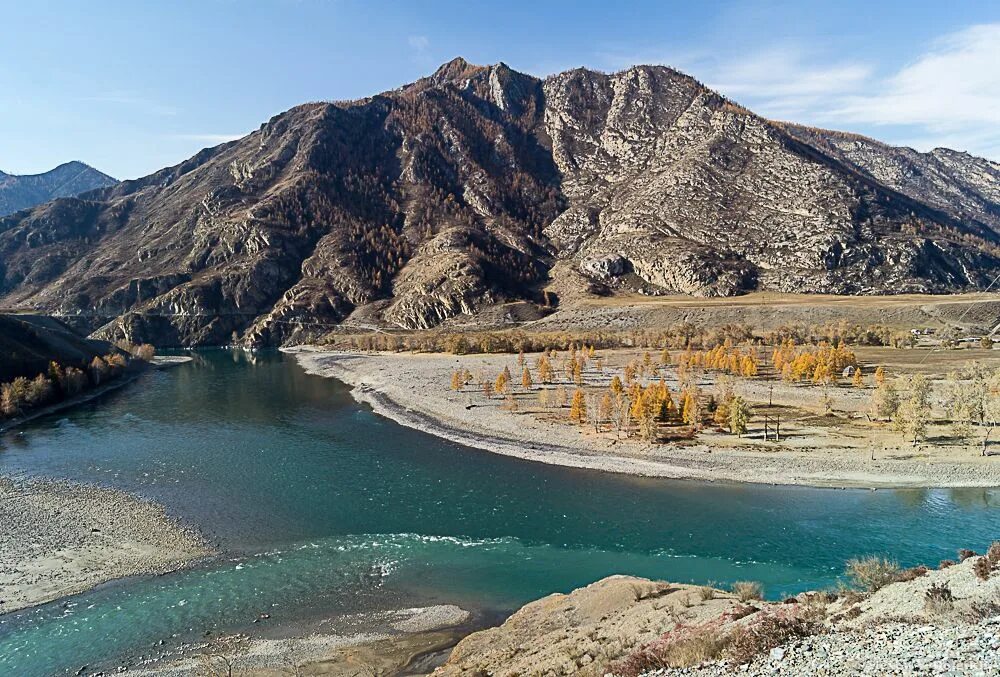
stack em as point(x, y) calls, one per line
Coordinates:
point(61, 539)
point(632, 627)
point(412, 390)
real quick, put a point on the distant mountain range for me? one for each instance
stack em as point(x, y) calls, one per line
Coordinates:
point(19, 192)
point(480, 185)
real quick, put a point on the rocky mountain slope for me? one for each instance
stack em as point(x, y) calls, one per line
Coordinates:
point(24, 191)
point(478, 186)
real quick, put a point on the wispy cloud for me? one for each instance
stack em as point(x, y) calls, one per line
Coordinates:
point(947, 95)
point(209, 138)
point(131, 99)
point(956, 82)
point(420, 43)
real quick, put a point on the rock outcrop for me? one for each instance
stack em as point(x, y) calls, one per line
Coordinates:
point(940, 621)
point(478, 186)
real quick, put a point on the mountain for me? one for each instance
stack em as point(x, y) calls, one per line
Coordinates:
point(19, 192)
point(480, 185)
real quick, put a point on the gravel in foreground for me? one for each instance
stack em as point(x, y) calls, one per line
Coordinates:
point(60, 539)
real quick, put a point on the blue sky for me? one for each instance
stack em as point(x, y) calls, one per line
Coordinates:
point(130, 87)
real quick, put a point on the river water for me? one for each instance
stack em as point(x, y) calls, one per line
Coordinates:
point(320, 506)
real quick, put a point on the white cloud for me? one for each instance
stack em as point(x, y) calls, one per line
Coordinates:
point(955, 83)
point(209, 138)
point(947, 95)
point(133, 100)
point(419, 42)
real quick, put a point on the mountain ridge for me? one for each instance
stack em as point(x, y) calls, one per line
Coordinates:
point(479, 185)
point(23, 191)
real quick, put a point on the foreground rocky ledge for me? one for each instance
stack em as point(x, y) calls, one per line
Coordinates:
point(59, 539)
point(625, 626)
point(411, 389)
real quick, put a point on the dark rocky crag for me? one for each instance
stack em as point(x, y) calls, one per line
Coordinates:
point(480, 185)
point(19, 192)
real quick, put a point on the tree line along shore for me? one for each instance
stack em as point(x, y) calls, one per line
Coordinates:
point(675, 384)
point(22, 395)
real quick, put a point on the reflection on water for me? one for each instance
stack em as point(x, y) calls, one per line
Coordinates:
point(322, 506)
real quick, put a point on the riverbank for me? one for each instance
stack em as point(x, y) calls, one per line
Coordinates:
point(412, 389)
point(159, 363)
point(60, 539)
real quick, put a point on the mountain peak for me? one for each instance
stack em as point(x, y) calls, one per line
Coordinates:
point(71, 178)
point(455, 70)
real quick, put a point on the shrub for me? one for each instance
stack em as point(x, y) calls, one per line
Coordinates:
point(747, 590)
point(965, 554)
point(980, 611)
point(706, 592)
point(682, 647)
point(982, 568)
point(938, 599)
point(945, 563)
point(912, 573)
point(765, 633)
point(872, 573)
point(993, 554)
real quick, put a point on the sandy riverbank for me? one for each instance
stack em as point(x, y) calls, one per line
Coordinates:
point(61, 539)
point(413, 390)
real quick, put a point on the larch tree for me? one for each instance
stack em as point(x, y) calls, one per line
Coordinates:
point(740, 414)
point(858, 380)
point(526, 379)
point(509, 403)
point(544, 368)
point(915, 408)
point(884, 401)
point(879, 376)
point(578, 408)
point(691, 414)
point(605, 410)
point(616, 385)
point(501, 384)
point(594, 411)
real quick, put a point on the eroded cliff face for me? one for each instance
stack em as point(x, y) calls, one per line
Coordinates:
point(463, 190)
point(673, 189)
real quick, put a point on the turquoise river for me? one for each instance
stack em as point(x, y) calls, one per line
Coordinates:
point(320, 506)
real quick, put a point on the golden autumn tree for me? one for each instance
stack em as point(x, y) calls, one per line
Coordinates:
point(879, 376)
point(526, 382)
point(616, 385)
point(502, 383)
point(578, 407)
